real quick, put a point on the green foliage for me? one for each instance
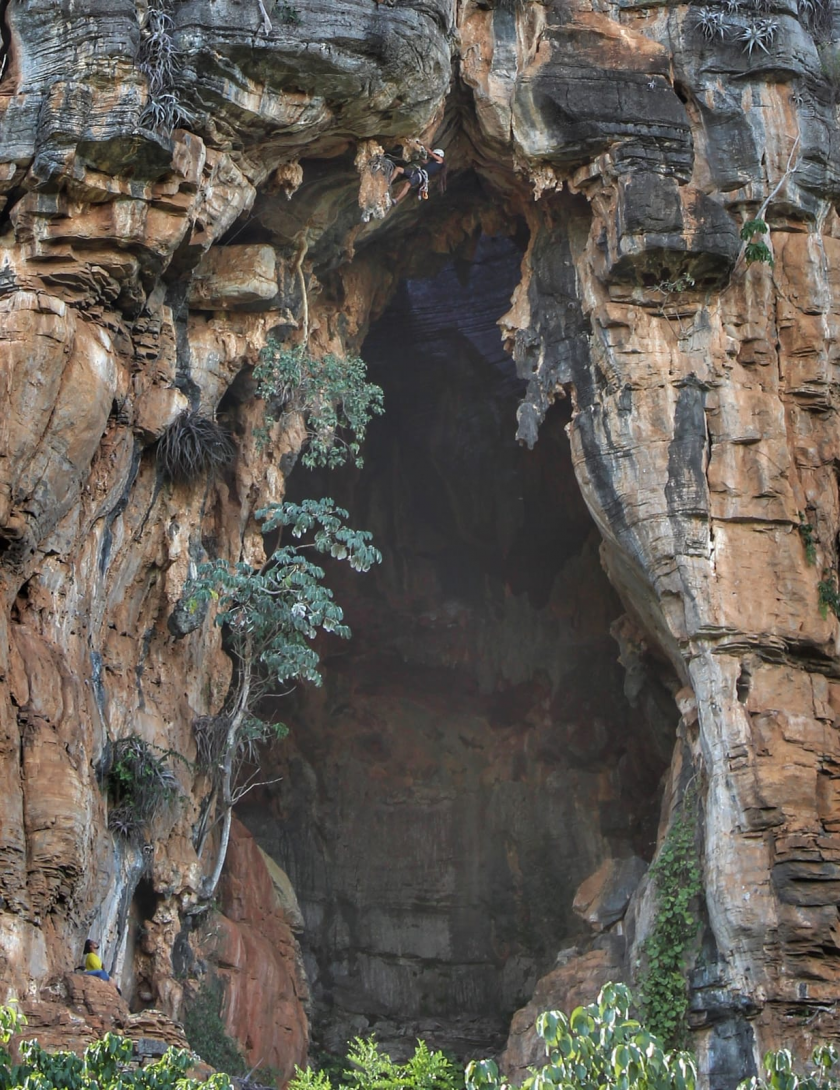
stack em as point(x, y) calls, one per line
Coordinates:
point(274, 612)
point(756, 250)
point(288, 14)
point(310, 1079)
point(271, 616)
point(806, 532)
point(597, 1047)
point(828, 594)
point(205, 1029)
point(676, 876)
point(11, 1019)
point(780, 1074)
point(369, 1068)
point(325, 1065)
point(332, 395)
point(106, 1065)
point(139, 783)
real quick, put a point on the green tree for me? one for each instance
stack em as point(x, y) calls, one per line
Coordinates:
point(369, 1068)
point(270, 615)
point(779, 1069)
point(331, 394)
point(597, 1047)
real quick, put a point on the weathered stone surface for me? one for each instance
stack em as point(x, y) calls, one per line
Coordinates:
point(576, 978)
point(603, 897)
point(83, 1008)
point(232, 276)
point(257, 954)
point(702, 395)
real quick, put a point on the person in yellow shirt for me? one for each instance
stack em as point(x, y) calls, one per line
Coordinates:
point(93, 962)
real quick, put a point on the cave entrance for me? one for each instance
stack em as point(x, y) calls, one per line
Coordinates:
point(472, 756)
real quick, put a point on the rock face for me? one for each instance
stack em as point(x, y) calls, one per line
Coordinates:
point(255, 948)
point(176, 181)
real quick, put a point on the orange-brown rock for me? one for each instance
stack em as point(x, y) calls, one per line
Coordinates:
point(83, 1008)
point(148, 247)
point(255, 949)
point(577, 978)
point(603, 897)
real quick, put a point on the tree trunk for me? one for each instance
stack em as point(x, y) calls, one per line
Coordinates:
point(237, 718)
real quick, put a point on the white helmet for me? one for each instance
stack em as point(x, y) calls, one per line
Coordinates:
point(439, 151)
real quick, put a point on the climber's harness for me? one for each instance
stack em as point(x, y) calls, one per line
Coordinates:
point(419, 178)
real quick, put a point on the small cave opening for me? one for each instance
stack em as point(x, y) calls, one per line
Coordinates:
point(135, 976)
point(475, 751)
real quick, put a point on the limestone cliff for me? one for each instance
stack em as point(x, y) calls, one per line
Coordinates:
point(177, 180)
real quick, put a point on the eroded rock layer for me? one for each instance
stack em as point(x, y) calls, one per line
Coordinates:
point(177, 180)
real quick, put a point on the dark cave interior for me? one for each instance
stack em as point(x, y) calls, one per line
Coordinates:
point(472, 755)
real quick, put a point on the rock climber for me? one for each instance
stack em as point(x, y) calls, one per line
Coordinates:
point(417, 177)
point(93, 962)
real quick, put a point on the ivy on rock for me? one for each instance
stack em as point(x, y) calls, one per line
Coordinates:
point(676, 877)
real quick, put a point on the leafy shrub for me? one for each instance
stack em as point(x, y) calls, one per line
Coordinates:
point(779, 1066)
point(808, 535)
point(106, 1065)
point(755, 250)
point(369, 1068)
point(289, 14)
point(205, 1029)
point(676, 876)
point(683, 282)
point(828, 594)
point(192, 447)
point(139, 783)
point(331, 394)
point(597, 1047)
